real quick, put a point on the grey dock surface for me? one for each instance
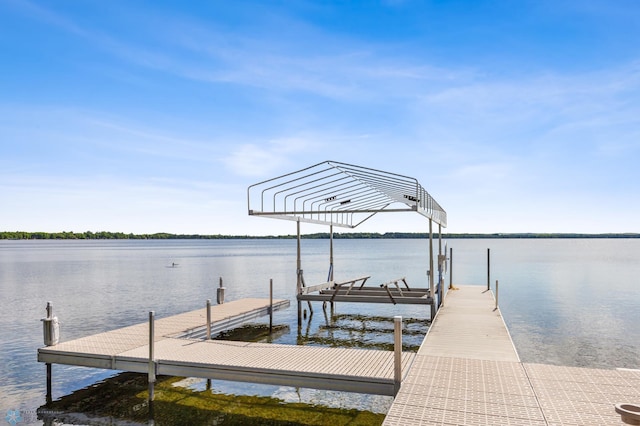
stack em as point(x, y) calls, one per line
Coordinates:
point(176, 354)
point(467, 372)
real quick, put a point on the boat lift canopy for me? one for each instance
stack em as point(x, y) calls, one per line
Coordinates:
point(340, 194)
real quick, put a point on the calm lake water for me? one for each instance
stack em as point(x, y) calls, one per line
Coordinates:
point(566, 302)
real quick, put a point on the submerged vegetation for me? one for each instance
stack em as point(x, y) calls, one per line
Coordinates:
point(123, 399)
point(106, 235)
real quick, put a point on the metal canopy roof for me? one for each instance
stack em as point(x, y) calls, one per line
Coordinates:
point(340, 194)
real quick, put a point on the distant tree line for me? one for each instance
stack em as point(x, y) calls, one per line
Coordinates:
point(106, 235)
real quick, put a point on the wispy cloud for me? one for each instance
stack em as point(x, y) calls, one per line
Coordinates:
point(193, 50)
point(48, 16)
point(535, 107)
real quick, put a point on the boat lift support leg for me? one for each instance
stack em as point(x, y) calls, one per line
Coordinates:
point(431, 274)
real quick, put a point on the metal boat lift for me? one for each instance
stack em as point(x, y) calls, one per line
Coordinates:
point(346, 195)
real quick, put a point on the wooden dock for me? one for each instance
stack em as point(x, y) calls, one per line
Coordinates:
point(467, 372)
point(176, 354)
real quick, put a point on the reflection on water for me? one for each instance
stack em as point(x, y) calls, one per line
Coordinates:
point(123, 399)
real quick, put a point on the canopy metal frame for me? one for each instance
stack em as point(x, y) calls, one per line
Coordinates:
point(341, 194)
point(345, 195)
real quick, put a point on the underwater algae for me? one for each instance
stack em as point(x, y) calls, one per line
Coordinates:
point(123, 399)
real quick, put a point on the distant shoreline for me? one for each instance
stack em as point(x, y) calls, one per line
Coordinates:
point(105, 235)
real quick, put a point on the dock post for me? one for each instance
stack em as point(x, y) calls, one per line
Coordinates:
point(221, 289)
point(270, 305)
point(440, 268)
point(152, 365)
point(49, 393)
point(208, 385)
point(496, 295)
point(450, 268)
point(440, 260)
point(299, 276)
point(488, 269)
point(208, 319)
point(397, 353)
point(49, 396)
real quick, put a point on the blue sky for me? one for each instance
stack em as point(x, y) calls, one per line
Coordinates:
point(156, 116)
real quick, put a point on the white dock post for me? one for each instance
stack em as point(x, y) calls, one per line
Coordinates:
point(270, 305)
point(208, 319)
point(496, 308)
point(397, 353)
point(220, 294)
point(488, 269)
point(152, 365)
point(450, 268)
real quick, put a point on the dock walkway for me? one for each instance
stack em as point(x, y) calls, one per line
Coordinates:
point(103, 350)
point(176, 353)
point(467, 372)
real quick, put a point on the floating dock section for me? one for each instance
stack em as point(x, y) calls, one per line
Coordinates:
point(109, 350)
point(175, 353)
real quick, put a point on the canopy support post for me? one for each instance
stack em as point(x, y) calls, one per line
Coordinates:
point(299, 276)
point(330, 252)
point(431, 274)
point(440, 265)
point(330, 278)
